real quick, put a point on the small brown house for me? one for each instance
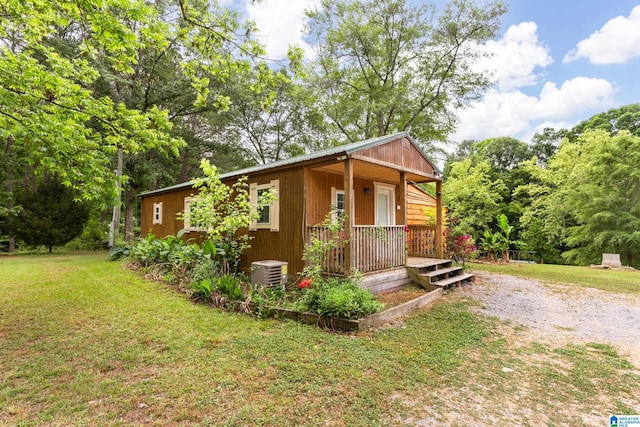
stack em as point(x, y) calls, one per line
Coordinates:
point(371, 181)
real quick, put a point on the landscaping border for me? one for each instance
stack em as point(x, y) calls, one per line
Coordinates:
point(371, 321)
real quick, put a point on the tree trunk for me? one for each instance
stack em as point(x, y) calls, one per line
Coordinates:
point(129, 202)
point(184, 166)
point(12, 239)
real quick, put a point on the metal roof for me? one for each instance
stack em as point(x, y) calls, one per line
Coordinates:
point(346, 149)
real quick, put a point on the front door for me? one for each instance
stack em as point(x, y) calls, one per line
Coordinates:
point(385, 201)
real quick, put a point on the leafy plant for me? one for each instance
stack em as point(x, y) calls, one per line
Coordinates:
point(340, 298)
point(230, 286)
point(202, 290)
point(316, 252)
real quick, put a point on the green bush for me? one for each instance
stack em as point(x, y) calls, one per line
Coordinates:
point(202, 290)
point(230, 286)
point(340, 298)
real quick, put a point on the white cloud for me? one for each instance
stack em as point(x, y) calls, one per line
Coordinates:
point(515, 57)
point(615, 43)
point(513, 113)
point(280, 23)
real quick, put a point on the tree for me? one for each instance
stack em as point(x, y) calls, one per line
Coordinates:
point(604, 192)
point(587, 201)
point(613, 121)
point(50, 216)
point(290, 125)
point(503, 153)
point(544, 145)
point(81, 80)
point(387, 66)
point(472, 197)
point(46, 103)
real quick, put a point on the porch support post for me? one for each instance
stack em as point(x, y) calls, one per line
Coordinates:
point(439, 229)
point(349, 211)
point(403, 209)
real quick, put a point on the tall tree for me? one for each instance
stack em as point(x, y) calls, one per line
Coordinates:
point(589, 197)
point(289, 125)
point(387, 66)
point(472, 197)
point(613, 121)
point(50, 216)
point(81, 80)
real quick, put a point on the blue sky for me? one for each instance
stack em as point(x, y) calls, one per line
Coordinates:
point(556, 62)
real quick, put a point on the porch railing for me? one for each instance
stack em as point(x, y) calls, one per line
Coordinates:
point(421, 240)
point(378, 247)
point(373, 247)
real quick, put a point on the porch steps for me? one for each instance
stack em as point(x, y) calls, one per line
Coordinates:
point(437, 273)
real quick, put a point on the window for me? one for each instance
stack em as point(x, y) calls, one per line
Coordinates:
point(337, 203)
point(188, 225)
point(269, 214)
point(157, 213)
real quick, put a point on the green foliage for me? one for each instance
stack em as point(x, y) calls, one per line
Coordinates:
point(472, 196)
point(222, 210)
point(230, 286)
point(340, 298)
point(202, 290)
point(317, 250)
point(497, 244)
point(94, 236)
point(50, 216)
point(614, 121)
point(389, 66)
point(587, 200)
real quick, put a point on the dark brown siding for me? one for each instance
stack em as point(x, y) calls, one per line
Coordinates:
point(319, 204)
point(286, 244)
point(399, 152)
point(172, 205)
point(283, 245)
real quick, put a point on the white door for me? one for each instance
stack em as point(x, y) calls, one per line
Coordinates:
point(385, 201)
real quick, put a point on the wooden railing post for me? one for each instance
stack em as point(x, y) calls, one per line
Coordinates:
point(349, 214)
point(403, 210)
point(439, 229)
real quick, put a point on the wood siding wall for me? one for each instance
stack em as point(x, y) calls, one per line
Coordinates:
point(287, 244)
point(319, 199)
point(400, 152)
point(417, 203)
point(284, 245)
point(172, 205)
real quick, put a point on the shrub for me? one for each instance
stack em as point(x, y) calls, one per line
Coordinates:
point(340, 298)
point(202, 290)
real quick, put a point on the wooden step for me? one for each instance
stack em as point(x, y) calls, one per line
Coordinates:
point(432, 266)
point(452, 280)
point(441, 272)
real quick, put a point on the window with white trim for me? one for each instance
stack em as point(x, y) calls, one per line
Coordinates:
point(157, 213)
point(269, 214)
point(188, 225)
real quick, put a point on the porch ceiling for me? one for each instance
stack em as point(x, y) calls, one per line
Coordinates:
point(374, 172)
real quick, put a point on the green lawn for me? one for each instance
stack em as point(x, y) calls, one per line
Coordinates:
point(607, 280)
point(86, 342)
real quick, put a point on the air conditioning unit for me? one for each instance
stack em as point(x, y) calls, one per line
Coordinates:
point(269, 273)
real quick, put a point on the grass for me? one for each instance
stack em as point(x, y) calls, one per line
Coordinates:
point(86, 342)
point(619, 281)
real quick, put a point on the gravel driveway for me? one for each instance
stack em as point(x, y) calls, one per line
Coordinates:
point(560, 313)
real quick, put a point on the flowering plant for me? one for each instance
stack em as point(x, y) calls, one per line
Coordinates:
point(461, 244)
point(305, 283)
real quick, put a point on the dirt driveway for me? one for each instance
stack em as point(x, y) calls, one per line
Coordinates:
point(561, 314)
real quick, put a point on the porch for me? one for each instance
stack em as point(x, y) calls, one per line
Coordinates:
point(375, 248)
